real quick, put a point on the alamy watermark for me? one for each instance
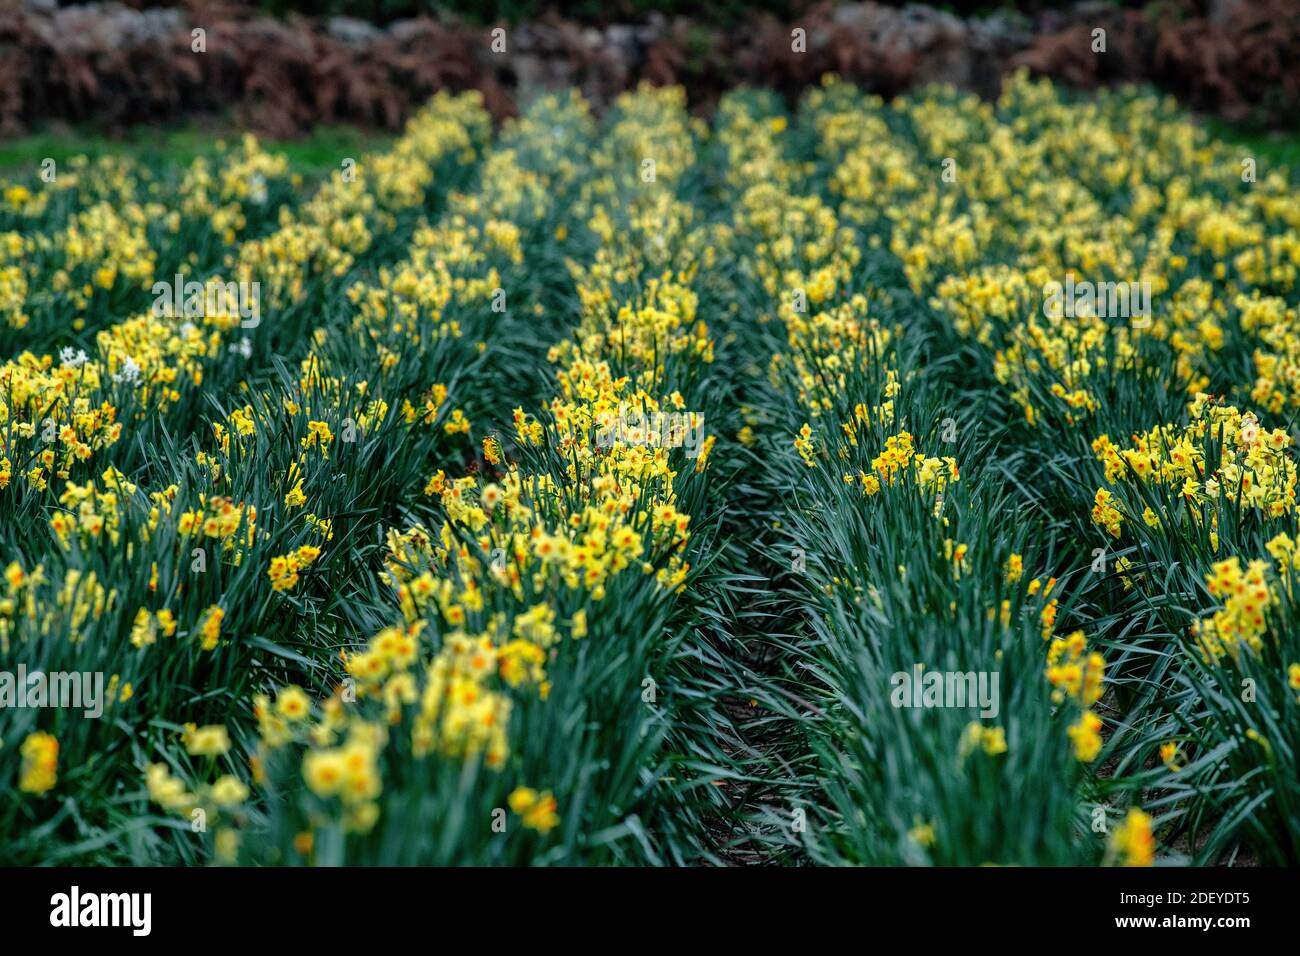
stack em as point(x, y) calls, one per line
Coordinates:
point(654, 429)
point(194, 299)
point(75, 690)
point(1103, 300)
point(961, 689)
point(133, 911)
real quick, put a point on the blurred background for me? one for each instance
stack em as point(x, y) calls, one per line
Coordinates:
point(318, 75)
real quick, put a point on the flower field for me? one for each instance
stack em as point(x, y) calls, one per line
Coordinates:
point(851, 482)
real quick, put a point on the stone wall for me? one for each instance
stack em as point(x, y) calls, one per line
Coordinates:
point(111, 65)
